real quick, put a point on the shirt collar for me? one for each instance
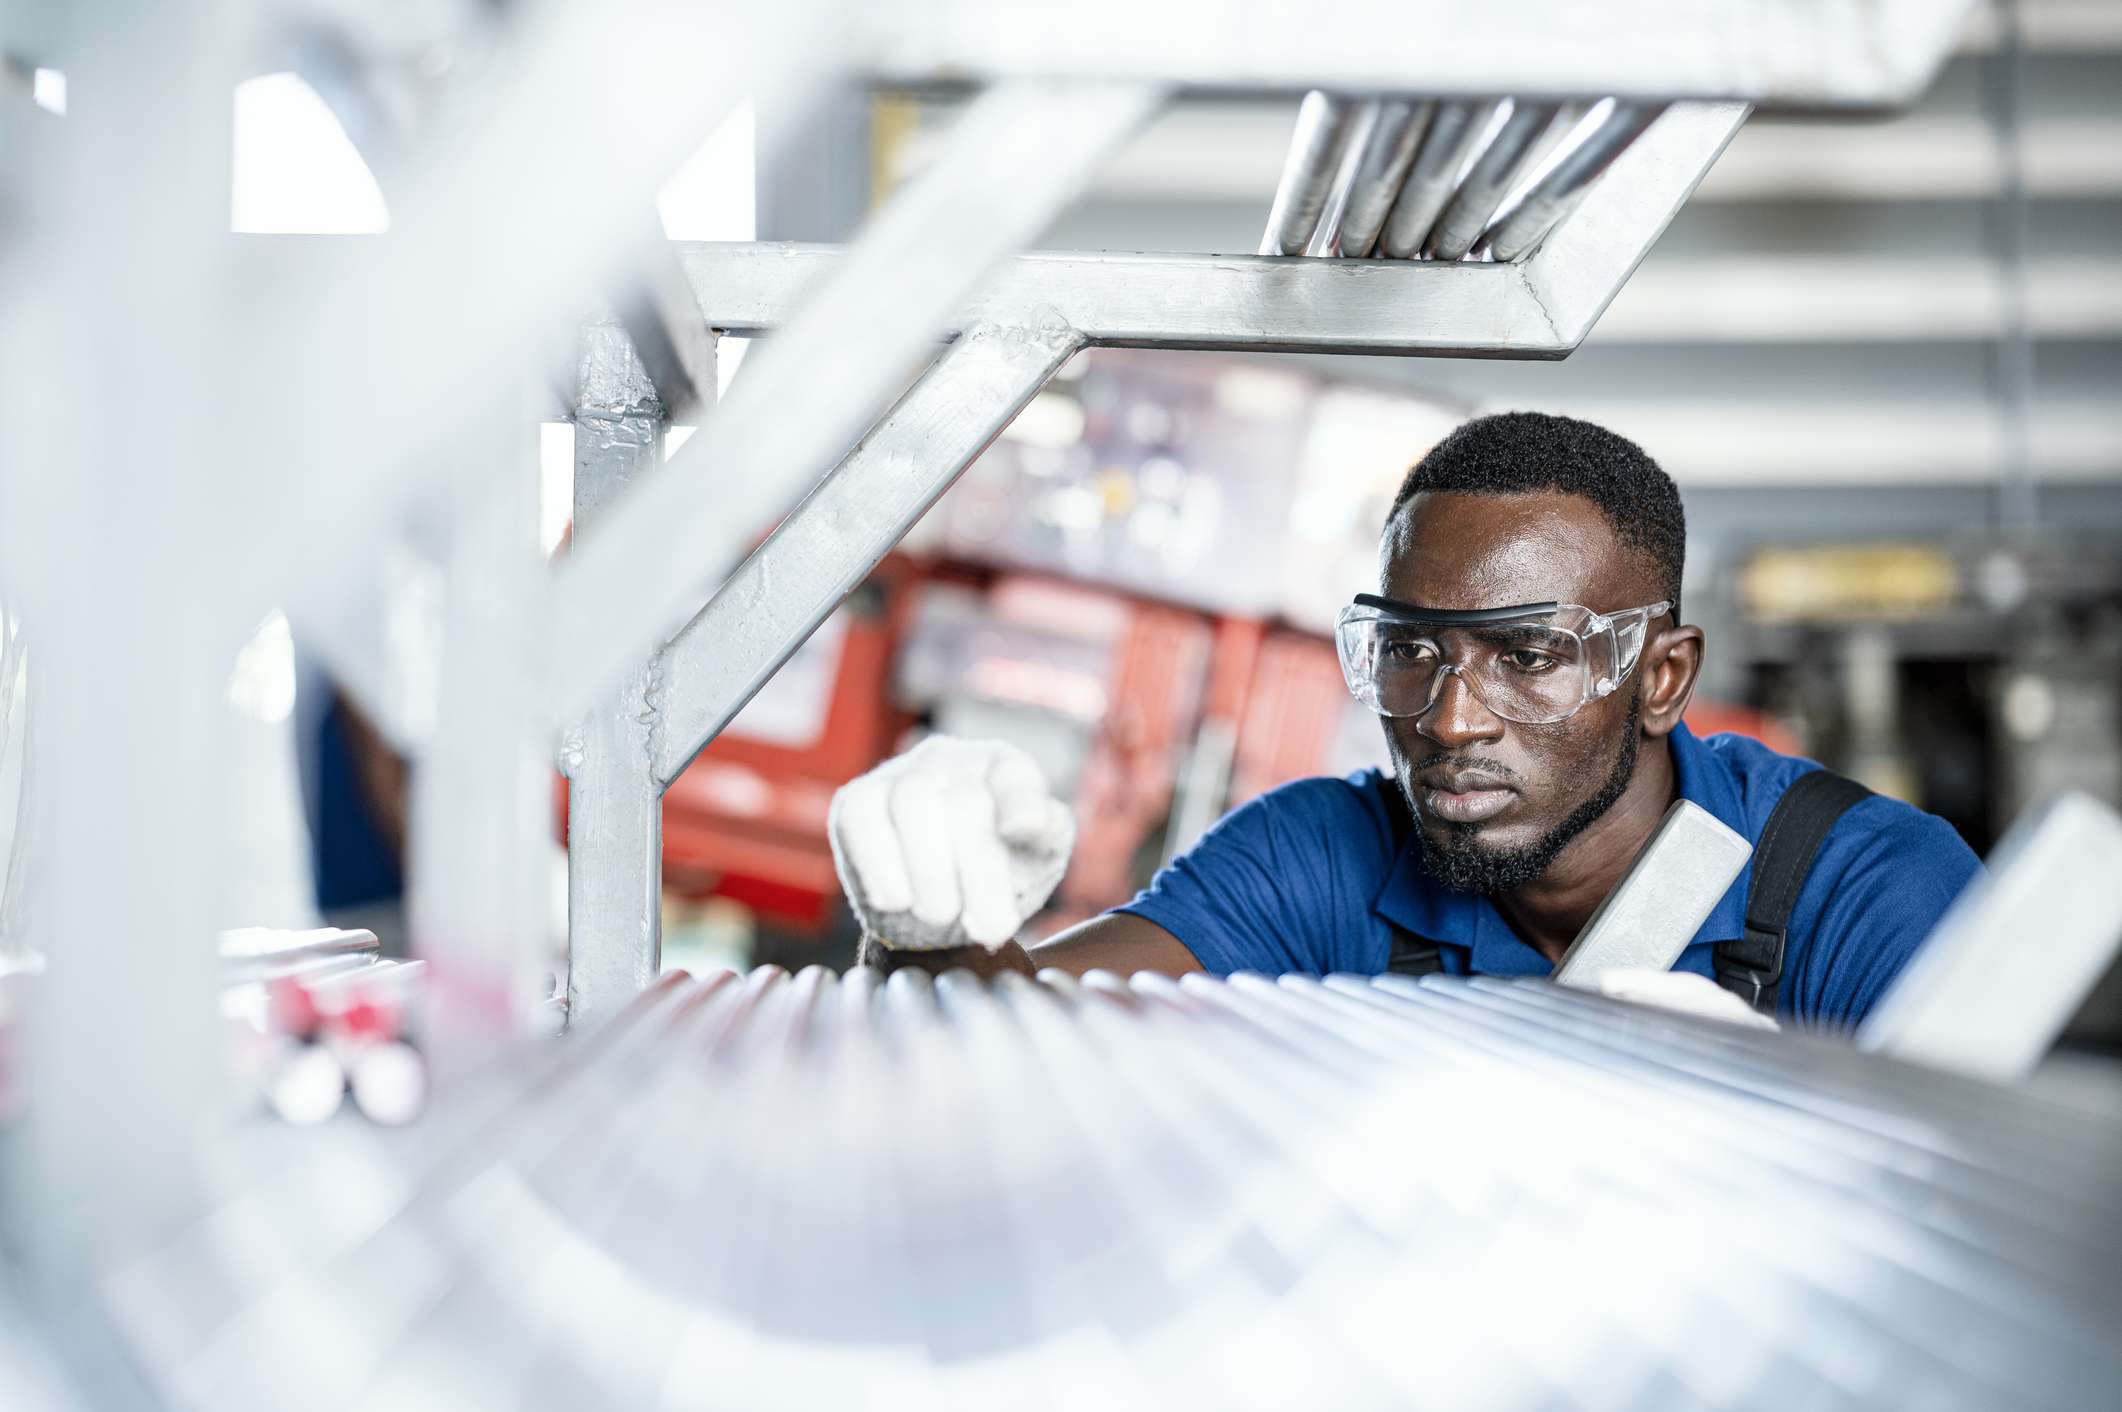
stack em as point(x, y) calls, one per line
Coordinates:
point(1410, 900)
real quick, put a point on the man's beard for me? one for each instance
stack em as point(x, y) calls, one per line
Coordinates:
point(1455, 858)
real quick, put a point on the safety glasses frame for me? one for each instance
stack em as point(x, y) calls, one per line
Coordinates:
point(1610, 645)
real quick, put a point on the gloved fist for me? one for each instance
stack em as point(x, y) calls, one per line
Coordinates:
point(1683, 993)
point(955, 841)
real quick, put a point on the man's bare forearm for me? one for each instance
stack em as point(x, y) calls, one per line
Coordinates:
point(979, 960)
point(1117, 942)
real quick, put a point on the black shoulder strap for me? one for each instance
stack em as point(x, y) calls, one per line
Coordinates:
point(1413, 955)
point(1752, 966)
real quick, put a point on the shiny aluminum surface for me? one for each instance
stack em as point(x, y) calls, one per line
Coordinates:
point(768, 1190)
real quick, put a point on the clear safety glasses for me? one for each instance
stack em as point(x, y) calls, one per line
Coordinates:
point(1533, 664)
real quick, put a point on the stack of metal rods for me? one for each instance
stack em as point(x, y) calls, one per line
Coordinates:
point(1404, 179)
point(786, 1191)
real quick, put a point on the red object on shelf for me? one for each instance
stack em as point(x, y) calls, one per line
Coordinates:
point(290, 1008)
point(1125, 791)
point(1292, 712)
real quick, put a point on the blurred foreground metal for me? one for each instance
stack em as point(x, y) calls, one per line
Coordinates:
point(772, 1191)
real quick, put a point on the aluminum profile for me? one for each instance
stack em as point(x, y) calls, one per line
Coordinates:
point(775, 1190)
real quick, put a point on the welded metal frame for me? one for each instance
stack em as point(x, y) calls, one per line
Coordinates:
point(1541, 307)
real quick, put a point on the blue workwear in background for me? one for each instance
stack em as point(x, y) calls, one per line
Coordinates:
point(1313, 876)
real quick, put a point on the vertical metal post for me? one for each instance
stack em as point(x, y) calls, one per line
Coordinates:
point(615, 800)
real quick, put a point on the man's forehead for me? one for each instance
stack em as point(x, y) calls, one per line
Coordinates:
point(1448, 549)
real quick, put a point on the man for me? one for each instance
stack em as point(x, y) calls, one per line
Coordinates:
point(1528, 659)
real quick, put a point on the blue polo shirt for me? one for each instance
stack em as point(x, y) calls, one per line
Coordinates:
point(1313, 876)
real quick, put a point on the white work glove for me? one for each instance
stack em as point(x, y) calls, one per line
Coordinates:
point(1683, 993)
point(955, 841)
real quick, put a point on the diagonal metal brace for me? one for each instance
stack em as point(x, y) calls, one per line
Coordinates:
point(833, 540)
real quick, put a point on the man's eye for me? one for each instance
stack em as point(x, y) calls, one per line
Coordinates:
point(1528, 662)
point(1407, 653)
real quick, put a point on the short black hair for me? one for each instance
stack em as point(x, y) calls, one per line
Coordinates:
point(1525, 453)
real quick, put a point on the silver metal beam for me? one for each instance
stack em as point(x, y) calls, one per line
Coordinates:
point(615, 800)
point(831, 542)
point(1239, 302)
point(1807, 53)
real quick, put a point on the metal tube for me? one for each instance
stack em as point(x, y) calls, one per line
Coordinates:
point(1526, 223)
point(1315, 150)
point(1453, 130)
point(1489, 181)
point(1326, 237)
point(832, 540)
point(615, 801)
point(1395, 137)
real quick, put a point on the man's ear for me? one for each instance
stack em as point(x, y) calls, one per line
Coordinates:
point(1671, 663)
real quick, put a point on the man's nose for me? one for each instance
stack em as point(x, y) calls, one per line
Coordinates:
point(1456, 716)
